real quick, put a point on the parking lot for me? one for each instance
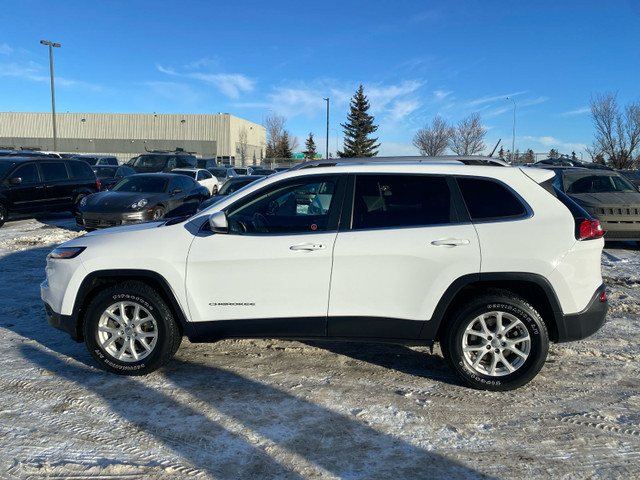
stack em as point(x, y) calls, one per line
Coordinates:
point(280, 409)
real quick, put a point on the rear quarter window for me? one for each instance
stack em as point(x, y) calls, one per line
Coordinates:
point(55, 171)
point(490, 200)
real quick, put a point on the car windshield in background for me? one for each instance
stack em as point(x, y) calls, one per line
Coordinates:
point(191, 174)
point(585, 182)
point(102, 172)
point(233, 186)
point(5, 167)
point(141, 185)
point(218, 172)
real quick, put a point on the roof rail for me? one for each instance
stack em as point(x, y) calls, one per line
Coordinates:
point(459, 159)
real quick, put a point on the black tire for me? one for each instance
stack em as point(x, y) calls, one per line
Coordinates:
point(3, 214)
point(74, 209)
point(135, 346)
point(490, 361)
point(159, 212)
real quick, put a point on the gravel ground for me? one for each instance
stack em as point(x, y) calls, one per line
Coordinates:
point(279, 409)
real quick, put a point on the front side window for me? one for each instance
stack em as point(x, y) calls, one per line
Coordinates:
point(28, 173)
point(300, 206)
point(54, 171)
point(391, 201)
point(489, 200)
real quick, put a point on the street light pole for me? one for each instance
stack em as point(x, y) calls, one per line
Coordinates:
point(326, 155)
point(53, 96)
point(513, 141)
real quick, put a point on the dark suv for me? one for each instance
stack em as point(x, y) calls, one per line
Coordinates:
point(161, 162)
point(32, 185)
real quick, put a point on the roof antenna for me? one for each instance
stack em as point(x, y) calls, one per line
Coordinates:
point(494, 148)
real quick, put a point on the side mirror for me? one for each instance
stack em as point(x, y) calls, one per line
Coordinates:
point(15, 181)
point(218, 222)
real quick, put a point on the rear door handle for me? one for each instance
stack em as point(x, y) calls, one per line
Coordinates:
point(450, 242)
point(307, 247)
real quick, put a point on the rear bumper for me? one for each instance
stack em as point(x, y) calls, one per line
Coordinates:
point(580, 325)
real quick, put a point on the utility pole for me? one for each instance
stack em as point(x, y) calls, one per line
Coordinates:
point(326, 155)
point(53, 95)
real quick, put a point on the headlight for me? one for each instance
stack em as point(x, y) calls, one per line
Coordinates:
point(83, 202)
point(66, 252)
point(140, 204)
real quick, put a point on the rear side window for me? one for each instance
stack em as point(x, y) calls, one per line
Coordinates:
point(185, 161)
point(489, 200)
point(54, 171)
point(80, 170)
point(386, 201)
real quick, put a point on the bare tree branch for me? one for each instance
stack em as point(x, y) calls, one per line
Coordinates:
point(432, 141)
point(468, 136)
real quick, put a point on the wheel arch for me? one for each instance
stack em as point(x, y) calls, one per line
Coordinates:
point(96, 281)
point(533, 288)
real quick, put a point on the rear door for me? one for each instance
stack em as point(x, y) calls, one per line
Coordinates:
point(408, 241)
point(59, 190)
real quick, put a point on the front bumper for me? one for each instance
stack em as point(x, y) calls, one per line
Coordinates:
point(104, 220)
point(65, 323)
point(580, 325)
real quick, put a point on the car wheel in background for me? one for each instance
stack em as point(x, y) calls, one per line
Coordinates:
point(496, 342)
point(74, 209)
point(159, 212)
point(214, 190)
point(3, 214)
point(130, 330)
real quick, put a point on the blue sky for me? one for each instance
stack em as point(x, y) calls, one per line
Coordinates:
point(416, 59)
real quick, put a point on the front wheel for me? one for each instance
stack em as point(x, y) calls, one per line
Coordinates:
point(158, 213)
point(130, 330)
point(496, 342)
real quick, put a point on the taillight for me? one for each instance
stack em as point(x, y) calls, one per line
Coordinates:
point(98, 183)
point(590, 229)
point(603, 297)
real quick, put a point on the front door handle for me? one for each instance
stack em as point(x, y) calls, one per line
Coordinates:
point(307, 247)
point(450, 242)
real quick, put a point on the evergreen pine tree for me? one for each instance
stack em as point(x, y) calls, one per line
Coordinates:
point(284, 147)
point(310, 145)
point(358, 128)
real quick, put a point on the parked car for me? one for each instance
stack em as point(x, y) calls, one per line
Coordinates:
point(36, 185)
point(98, 159)
point(262, 171)
point(631, 175)
point(202, 176)
point(109, 175)
point(569, 162)
point(223, 174)
point(141, 197)
point(607, 196)
point(161, 162)
point(493, 263)
point(230, 186)
point(206, 163)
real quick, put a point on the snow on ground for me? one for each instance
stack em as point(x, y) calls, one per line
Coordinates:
point(278, 409)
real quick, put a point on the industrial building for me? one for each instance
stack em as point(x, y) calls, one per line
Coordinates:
point(222, 136)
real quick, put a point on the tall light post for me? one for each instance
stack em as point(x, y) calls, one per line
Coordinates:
point(53, 95)
point(513, 141)
point(326, 154)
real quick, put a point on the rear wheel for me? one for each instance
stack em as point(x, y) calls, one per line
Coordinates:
point(496, 342)
point(74, 209)
point(130, 330)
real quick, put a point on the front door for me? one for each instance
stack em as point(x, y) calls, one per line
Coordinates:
point(273, 268)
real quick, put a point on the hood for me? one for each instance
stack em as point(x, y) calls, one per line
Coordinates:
point(132, 227)
point(111, 201)
point(613, 199)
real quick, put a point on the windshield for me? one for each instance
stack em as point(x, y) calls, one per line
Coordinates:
point(184, 172)
point(103, 172)
point(235, 185)
point(5, 167)
point(218, 172)
point(589, 183)
point(141, 184)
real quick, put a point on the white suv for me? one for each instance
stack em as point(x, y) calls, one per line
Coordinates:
point(490, 261)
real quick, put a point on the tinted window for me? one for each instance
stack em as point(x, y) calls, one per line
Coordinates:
point(105, 172)
point(300, 206)
point(54, 171)
point(204, 175)
point(141, 184)
point(28, 173)
point(186, 161)
point(183, 183)
point(80, 170)
point(487, 199)
point(5, 167)
point(184, 172)
point(401, 201)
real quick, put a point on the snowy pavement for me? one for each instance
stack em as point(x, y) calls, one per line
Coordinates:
point(277, 409)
